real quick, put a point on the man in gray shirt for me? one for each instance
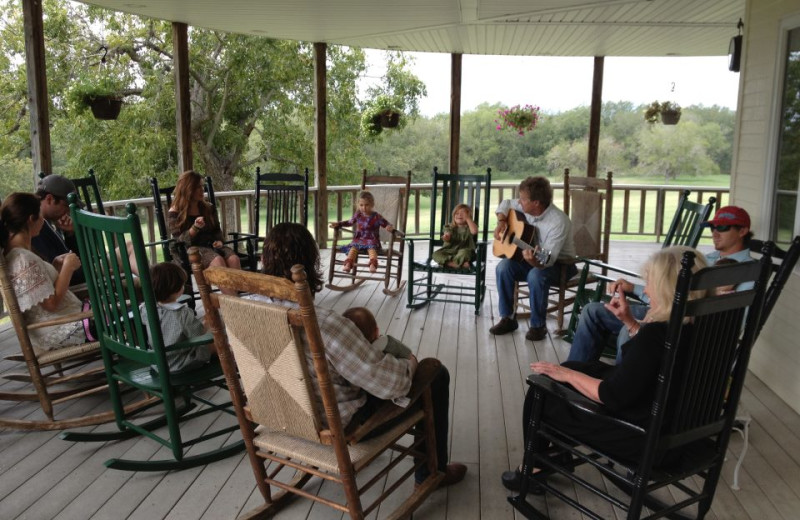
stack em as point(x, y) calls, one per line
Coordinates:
point(553, 233)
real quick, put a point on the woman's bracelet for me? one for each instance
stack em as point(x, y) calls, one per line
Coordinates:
point(634, 328)
point(195, 227)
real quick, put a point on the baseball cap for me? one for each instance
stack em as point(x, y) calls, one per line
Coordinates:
point(729, 216)
point(56, 185)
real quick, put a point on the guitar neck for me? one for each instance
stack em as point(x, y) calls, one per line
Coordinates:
point(522, 244)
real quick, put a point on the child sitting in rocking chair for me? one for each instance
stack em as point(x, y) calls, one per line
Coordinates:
point(459, 240)
point(366, 236)
point(177, 320)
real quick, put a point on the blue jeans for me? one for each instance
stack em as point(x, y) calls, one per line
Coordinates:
point(597, 324)
point(539, 282)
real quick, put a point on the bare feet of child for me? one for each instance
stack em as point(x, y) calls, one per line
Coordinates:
point(373, 265)
point(451, 264)
point(465, 265)
point(348, 266)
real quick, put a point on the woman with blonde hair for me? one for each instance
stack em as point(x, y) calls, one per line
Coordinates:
point(192, 221)
point(628, 388)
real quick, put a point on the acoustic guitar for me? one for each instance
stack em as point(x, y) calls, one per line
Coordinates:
point(518, 236)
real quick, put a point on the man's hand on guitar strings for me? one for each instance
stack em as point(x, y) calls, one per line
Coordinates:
point(500, 229)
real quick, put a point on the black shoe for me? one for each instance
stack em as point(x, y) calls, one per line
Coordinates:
point(536, 333)
point(512, 481)
point(504, 326)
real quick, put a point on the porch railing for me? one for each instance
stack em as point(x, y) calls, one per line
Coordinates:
point(640, 211)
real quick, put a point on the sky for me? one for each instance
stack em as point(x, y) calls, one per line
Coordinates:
point(559, 84)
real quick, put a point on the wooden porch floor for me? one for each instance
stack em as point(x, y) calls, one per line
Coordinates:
point(43, 477)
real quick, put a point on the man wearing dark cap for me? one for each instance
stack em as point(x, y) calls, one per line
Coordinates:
point(57, 236)
point(730, 231)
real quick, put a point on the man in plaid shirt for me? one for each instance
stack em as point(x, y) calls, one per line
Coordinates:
point(362, 375)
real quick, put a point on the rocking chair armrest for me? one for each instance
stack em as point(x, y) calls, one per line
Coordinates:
point(81, 290)
point(578, 401)
point(159, 242)
point(602, 265)
point(69, 318)
point(195, 342)
point(423, 377)
point(240, 235)
point(398, 233)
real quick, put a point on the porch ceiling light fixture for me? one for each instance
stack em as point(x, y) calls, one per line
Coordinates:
point(735, 49)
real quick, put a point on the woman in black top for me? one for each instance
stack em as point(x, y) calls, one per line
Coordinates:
point(193, 222)
point(627, 389)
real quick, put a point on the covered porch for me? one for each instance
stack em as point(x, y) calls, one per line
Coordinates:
point(43, 477)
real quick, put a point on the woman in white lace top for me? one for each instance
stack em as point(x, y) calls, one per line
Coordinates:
point(42, 291)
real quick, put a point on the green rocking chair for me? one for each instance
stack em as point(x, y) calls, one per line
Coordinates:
point(684, 230)
point(129, 358)
point(447, 192)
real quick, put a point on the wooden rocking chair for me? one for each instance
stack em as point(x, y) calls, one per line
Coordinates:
point(271, 347)
point(56, 376)
point(588, 202)
point(391, 201)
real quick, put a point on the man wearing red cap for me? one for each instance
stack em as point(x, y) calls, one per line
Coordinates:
point(730, 231)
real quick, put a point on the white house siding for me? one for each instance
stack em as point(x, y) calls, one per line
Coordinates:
point(776, 356)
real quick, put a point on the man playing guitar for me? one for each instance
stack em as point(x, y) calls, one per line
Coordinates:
point(554, 234)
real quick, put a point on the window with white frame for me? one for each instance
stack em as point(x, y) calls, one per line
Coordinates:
point(785, 210)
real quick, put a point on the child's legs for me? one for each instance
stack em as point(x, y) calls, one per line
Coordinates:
point(352, 255)
point(441, 257)
point(373, 260)
point(463, 256)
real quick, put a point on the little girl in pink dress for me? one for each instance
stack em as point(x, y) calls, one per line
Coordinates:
point(366, 235)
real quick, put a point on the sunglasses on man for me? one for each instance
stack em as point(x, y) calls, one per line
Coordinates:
point(722, 228)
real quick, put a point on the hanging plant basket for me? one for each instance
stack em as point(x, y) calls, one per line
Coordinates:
point(105, 107)
point(670, 117)
point(390, 119)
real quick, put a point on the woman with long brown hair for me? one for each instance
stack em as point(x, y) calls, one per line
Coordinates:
point(42, 291)
point(193, 222)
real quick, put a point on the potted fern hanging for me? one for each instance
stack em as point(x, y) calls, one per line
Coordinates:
point(383, 112)
point(668, 111)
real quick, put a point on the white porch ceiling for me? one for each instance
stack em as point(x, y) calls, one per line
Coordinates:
point(497, 27)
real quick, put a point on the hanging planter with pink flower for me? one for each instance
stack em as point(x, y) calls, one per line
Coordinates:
point(520, 119)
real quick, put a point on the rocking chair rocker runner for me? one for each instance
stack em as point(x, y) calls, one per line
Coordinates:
point(129, 357)
point(447, 192)
point(704, 363)
point(391, 201)
point(279, 415)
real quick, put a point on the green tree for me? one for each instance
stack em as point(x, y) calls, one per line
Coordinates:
point(252, 99)
point(674, 150)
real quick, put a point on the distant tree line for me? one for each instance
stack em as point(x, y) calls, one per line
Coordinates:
point(700, 144)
